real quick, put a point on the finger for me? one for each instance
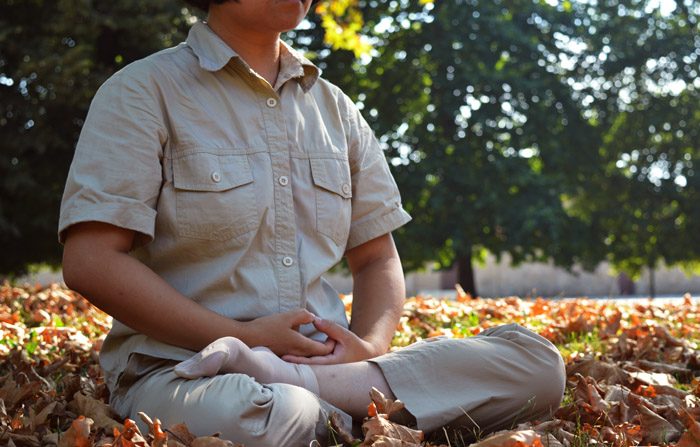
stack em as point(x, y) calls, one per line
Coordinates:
point(330, 343)
point(333, 330)
point(307, 347)
point(300, 316)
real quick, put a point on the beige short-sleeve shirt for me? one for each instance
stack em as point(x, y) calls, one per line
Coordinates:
point(242, 194)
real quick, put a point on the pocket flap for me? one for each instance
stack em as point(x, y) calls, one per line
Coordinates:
point(333, 175)
point(211, 172)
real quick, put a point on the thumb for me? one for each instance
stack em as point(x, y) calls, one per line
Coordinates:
point(301, 316)
point(332, 329)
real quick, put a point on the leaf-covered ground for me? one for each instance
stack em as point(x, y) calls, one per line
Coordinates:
point(631, 369)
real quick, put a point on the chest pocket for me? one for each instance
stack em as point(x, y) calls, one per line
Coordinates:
point(333, 190)
point(214, 196)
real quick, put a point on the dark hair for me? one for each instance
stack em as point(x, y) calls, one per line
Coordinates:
point(202, 4)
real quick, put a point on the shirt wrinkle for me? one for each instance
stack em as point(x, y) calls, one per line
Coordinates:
point(242, 197)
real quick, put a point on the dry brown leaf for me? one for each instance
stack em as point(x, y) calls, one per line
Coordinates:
point(656, 429)
point(22, 439)
point(383, 441)
point(383, 404)
point(97, 410)
point(130, 437)
point(35, 420)
point(588, 395)
point(339, 430)
point(511, 438)
point(78, 435)
point(181, 433)
point(691, 438)
point(12, 393)
point(379, 426)
point(550, 441)
point(602, 372)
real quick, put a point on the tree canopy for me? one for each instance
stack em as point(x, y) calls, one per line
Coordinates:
point(545, 130)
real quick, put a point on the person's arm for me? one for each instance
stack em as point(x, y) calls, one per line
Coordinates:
point(96, 264)
point(378, 296)
point(378, 291)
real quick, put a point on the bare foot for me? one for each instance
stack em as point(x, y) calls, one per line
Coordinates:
point(231, 355)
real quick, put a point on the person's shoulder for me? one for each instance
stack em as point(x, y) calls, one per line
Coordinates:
point(324, 87)
point(154, 68)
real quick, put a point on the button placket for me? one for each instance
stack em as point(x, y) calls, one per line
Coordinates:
point(287, 269)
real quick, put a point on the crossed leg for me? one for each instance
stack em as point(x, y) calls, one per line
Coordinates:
point(494, 380)
point(346, 386)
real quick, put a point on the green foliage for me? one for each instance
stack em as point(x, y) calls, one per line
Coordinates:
point(53, 56)
point(480, 128)
point(559, 131)
point(641, 201)
point(508, 124)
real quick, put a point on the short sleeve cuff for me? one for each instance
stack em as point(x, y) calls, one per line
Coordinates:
point(362, 232)
point(132, 216)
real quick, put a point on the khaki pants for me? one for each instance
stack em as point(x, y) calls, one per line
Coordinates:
point(494, 380)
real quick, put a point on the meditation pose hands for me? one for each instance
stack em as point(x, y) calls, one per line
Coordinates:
point(348, 347)
point(280, 334)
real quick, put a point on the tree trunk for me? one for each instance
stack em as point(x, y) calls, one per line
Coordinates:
point(652, 283)
point(465, 274)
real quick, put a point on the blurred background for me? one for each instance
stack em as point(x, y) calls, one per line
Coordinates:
point(543, 147)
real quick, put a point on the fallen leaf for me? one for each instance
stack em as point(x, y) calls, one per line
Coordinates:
point(511, 438)
point(78, 435)
point(377, 427)
point(96, 410)
point(181, 434)
point(383, 405)
point(656, 429)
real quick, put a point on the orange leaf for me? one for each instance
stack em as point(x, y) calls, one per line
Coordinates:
point(78, 435)
point(384, 405)
point(371, 410)
point(649, 391)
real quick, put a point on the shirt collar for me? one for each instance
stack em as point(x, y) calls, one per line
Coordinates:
point(213, 54)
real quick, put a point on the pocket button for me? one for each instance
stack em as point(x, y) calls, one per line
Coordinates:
point(215, 177)
point(346, 188)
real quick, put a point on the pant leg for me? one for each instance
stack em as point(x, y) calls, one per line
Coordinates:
point(492, 381)
point(235, 405)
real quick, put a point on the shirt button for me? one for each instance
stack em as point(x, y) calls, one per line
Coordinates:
point(346, 188)
point(216, 177)
point(271, 102)
point(287, 261)
point(284, 181)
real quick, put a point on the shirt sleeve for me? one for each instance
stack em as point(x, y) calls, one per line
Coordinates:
point(376, 202)
point(116, 173)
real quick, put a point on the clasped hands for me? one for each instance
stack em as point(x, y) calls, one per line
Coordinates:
point(280, 334)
